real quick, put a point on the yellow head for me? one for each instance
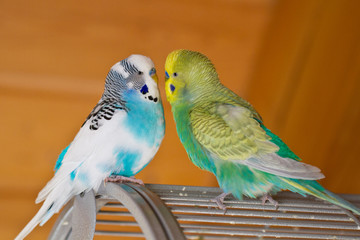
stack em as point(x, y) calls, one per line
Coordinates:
point(188, 75)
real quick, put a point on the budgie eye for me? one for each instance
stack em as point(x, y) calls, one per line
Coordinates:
point(175, 74)
point(140, 72)
point(166, 75)
point(172, 88)
point(152, 72)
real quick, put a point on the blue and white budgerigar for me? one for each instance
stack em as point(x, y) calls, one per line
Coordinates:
point(118, 139)
point(222, 133)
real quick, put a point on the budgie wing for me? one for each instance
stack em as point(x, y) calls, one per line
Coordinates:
point(103, 111)
point(231, 133)
point(93, 142)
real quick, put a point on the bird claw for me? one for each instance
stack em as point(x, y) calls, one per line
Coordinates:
point(122, 179)
point(219, 200)
point(267, 197)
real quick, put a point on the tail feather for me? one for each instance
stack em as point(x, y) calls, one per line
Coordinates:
point(35, 220)
point(55, 200)
point(335, 199)
point(315, 189)
point(241, 180)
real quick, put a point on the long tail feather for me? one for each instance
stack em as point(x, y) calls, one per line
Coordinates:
point(315, 189)
point(335, 199)
point(35, 220)
point(55, 200)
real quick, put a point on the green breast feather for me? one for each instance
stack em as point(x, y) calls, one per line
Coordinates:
point(197, 153)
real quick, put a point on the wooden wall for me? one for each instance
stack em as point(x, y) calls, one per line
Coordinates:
point(306, 85)
point(54, 59)
point(296, 61)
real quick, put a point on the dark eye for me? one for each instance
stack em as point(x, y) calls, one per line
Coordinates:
point(175, 74)
point(140, 72)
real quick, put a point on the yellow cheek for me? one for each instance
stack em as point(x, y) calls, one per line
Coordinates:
point(169, 94)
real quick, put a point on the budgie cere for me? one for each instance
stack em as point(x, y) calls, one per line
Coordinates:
point(118, 139)
point(222, 133)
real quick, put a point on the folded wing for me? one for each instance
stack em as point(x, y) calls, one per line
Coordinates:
point(231, 133)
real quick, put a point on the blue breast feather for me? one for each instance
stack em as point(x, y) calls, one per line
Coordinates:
point(143, 117)
point(127, 163)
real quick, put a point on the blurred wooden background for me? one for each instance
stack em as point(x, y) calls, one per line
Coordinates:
point(297, 62)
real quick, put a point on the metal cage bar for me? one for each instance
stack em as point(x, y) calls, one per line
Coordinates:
point(172, 211)
point(153, 217)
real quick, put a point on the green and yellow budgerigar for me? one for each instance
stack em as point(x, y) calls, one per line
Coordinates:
point(222, 133)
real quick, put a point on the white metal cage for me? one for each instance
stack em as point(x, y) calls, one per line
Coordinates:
point(186, 212)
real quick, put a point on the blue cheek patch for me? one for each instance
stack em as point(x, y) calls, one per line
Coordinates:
point(166, 74)
point(144, 89)
point(172, 88)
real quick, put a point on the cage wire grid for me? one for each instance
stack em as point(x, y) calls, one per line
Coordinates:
point(190, 214)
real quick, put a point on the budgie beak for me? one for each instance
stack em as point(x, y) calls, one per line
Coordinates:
point(155, 78)
point(153, 75)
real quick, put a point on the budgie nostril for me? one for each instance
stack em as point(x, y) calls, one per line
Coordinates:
point(166, 75)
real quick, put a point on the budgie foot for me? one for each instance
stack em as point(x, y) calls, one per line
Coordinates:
point(219, 200)
point(122, 179)
point(267, 197)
